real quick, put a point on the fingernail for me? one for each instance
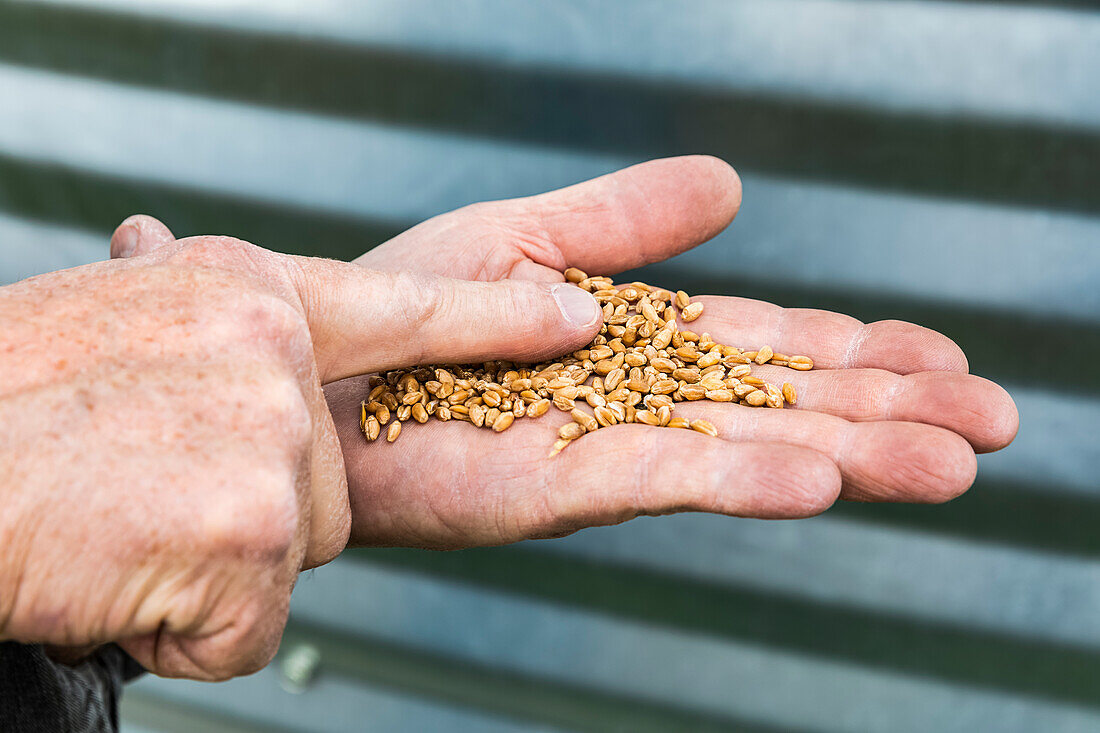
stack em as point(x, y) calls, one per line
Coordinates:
point(127, 238)
point(578, 307)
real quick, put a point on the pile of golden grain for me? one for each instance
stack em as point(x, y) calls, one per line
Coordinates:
point(634, 371)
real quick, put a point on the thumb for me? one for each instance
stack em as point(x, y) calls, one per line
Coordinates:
point(138, 235)
point(365, 321)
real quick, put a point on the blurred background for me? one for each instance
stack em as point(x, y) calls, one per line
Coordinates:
point(932, 161)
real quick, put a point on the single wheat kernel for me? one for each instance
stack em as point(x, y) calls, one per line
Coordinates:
point(693, 391)
point(604, 416)
point(763, 355)
point(679, 422)
point(613, 379)
point(662, 338)
point(419, 413)
point(570, 431)
point(503, 422)
point(801, 363)
point(564, 403)
point(664, 386)
point(573, 275)
point(393, 432)
point(656, 401)
point(756, 398)
point(708, 360)
point(595, 400)
point(582, 418)
point(704, 426)
point(647, 417)
point(719, 395)
point(687, 354)
point(618, 395)
point(372, 428)
point(789, 393)
point(538, 409)
point(663, 365)
point(690, 375)
point(692, 312)
point(682, 299)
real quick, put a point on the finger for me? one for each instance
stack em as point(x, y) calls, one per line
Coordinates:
point(626, 471)
point(364, 321)
point(832, 340)
point(240, 646)
point(980, 411)
point(646, 213)
point(512, 491)
point(880, 461)
point(528, 270)
point(138, 235)
point(330, 512)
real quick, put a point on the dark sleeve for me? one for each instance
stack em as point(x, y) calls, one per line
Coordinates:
point(37, 694)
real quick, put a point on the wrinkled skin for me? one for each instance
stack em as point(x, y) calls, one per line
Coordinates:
point(889, 414)
point(164, 413)
point(168, 463)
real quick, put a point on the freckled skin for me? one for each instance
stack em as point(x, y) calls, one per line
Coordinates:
point(169, 461)
point(152, 454)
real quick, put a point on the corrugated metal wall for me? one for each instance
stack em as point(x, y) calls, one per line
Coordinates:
point(931, 161)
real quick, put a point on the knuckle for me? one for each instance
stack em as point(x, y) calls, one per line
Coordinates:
point(280, 401)
point(261, 522)
point(262, 323)
point(218, 251)
point(429, 302)
point(269, 319)
point(244, 646)
point(262, 620)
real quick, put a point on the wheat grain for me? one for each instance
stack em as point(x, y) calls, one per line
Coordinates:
point(692, 312)
point(635, 370)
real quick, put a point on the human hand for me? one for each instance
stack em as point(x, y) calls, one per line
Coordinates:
point(889, 414)
point(168, 460)
point(889, 406)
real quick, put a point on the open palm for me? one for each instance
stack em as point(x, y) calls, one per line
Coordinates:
point(888, 414)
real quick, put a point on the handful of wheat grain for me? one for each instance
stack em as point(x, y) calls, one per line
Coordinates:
point(634, 371)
